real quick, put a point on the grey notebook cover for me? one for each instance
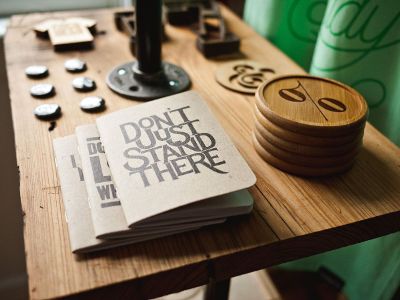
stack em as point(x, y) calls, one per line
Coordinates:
point(106, 211)
point(77, 211)
point(73, 188)
point(169, 153)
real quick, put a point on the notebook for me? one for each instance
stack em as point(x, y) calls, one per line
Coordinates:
point(77, 210)
point(105, 207)
point(149, 171)
point(171, 161)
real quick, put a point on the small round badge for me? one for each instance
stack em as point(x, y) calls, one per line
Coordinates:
point(83, 84)
point(92, 104)
point(43, 90)
point(75, 65)
point(36, 71)
point(47, 111)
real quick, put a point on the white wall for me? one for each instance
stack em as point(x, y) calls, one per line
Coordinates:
point(13, 280)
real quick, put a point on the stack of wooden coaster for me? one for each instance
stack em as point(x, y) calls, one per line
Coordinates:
point(309, 126)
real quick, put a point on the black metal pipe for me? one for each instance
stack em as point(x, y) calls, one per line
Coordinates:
point(148, 35)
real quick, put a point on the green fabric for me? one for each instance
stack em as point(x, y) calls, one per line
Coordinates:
point(356, 42)
point(279, 21)
point(371, 270)
point(359, 44)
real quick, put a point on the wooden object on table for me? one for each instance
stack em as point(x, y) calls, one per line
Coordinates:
point(71, 33)
point(296, 148)
point(243, 75)
point(312, 105)
point(317, 169)
point(305, 159)
point(293, 217)
point(214, 38)
point(303, 139)
point(309, 111)
point(182, 13)
point(41, 29)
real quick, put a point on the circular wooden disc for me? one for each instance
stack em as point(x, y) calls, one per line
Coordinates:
point(243, 75)
point(303, 160)
point(296, 169)
point(312, 105)
point(307, 140)
point(303, 149)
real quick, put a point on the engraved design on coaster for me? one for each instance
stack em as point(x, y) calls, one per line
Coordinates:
point(303, 139)
point(243, 75)
point(303, 149)
point(303, 160)
point(312, 105)
point(297, 169)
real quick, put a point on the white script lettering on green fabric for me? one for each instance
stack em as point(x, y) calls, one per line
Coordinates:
point(359, 44)
point(292, 25)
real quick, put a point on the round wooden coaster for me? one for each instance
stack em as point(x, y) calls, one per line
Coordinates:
point(306, 150)
point(302, 160)
point(243, 75)
point(307, 140)
point(312, 105)
point(296, 169)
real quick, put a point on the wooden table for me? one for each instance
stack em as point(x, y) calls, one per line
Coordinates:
point(293, 217)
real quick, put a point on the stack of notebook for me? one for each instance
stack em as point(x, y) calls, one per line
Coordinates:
point(149, 171)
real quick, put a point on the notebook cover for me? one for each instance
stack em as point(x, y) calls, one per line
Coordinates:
point(168, 153)
point(106, 211)
point(73, 188)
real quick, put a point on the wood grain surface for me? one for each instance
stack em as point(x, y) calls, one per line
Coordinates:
point(303, 139)
point(306, 160)
point(293, 217)
point(312, 105)
point(315, 151)
point(300, 168)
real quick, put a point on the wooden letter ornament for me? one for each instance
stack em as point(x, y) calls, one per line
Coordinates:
point(308, 126)
point(72, 33)
point(243, 75)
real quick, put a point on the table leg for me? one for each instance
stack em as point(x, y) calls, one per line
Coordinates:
point(217, 290)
